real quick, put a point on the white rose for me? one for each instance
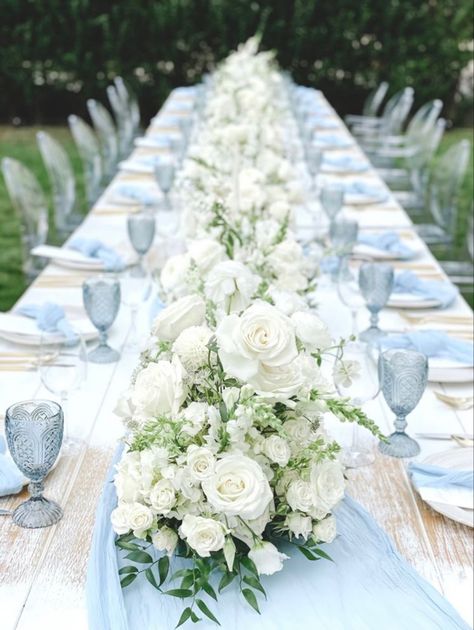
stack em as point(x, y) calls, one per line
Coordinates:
point(162, 497)
point(277, 383)
point(238, 487)
point(191, 347)
point(206, 253)
point(141, 519)
point(325, 531)
point(200, 461)
point(159, 388)
point(286, 254)
point(288, 302)
point(311, 331)
point(173, 275)
point(299, 431)
point(299, 525)
point(175, 318)
point(277, 450)
point(203, 534)
point(327, 484)
point(231, 286)
point(267, 558)
point(165, 539)
point(260, 335)
point(120, 519)
point(299, 495)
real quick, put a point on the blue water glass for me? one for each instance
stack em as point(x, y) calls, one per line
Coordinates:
point(34, 432)
point(141, 232)
point(332, 199)
point(343, 234)
point(376, 284)
point(164, 174)
point(403, 375)
point(101, 297)
point(314, 158)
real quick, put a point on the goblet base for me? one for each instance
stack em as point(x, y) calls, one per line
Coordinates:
point(357, 458)
point(37, 512)
point(372, 335)
point(400, 445)
point(103, 354)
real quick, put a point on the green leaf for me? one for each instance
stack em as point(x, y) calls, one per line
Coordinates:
point(128, 579)
point(226, 580)
point(307, 553)
point(151, 578)
point(194, 617)
point(185, 615)
point(163, 568)
point(179, 592)
point(139, 556)
point(181, 573)
point(187, 581)
point(209, 590)
point(251, 599)
point(249, 565)
point(123, 544)
point(129, 569)
point(203, 608)
point(223, 412)
point(254, 583)
point(323, 554)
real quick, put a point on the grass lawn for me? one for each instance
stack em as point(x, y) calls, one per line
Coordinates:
point(20, 143)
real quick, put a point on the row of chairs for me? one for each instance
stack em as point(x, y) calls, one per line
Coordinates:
point(100, 147)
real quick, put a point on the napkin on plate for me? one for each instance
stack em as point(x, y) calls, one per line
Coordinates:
point(408, 282)
point(388, 242)
point(49, 317)
point(433, 344)
point(444, 485)
point(363, 189)
point(332, 140)
point(94, 248)
point(344, 162)
point(137, 193)
point(11, 479)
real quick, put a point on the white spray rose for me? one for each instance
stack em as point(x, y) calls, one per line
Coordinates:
point(191, 347)
point(231, 286)
point(159, 388)
point(327, 484)
point(267, 558)
point(162, 497)
point(311, 331)
point(299, 495)
point(299, 430)
point(175, 318)
point(203, 534)
point(277, 450)
point(165, 539)
point(325, 531)
point(120, 519)
point(299, 525)
point(200, 461)
point(141, 519)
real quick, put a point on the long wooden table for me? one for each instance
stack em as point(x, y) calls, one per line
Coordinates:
point(43, 572)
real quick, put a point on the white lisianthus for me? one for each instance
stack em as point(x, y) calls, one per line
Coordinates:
point(191, 347)
point(238, 487)
point(267, 558)
point(200, 461)
point(162, 497)
point(299, 495)
point(277, 450)
point(299, 525)
point(165, 539)
point(311, 331)
point(231, 285)
point(120, 519)
point(141, 519)
point(173, 275)
point(203, 534)
point(327, 484)
point(159, 388)
point(206, 253)
point(175, 318)
point(325, 530)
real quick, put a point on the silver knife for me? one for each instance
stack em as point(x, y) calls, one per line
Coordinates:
point(445, 436)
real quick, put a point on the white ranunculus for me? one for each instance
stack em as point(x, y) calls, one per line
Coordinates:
point(299, 495)
point(162, 497)
point(277, 450)
point(327, 484)
point(325, 531)
point(238, 487)
point(141, 519)
point(311, 331)
point(165, 539)
point(203, 534)
point(261, 335)
point(173, 275)
point(200, 461)
point(206, 253)
point(159, 388)
point(267, 558)
point(299, 525)
point(231, 286)
point(120, 519)
point(175, 318)
point(191, 347)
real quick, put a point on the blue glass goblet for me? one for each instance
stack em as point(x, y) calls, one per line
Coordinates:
point(332, 199)
point(34, 432)
point(403, 375)
point(164, 175)
point(376, 284)
point(141, 232)
point(101, 297)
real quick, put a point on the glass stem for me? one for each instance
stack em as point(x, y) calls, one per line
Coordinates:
point(400, 424)
point(133, 321)
point(354, 327)
point(374, 319)
point(102, 337)
point(36, 489)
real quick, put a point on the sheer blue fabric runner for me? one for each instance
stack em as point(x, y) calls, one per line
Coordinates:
point(367, 587)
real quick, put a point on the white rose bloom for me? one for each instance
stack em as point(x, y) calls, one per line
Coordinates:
point(260, 335)
point(277, 450)
point(238, 487)
point(173, 274)
point(231, 286)
point(141, 519)
point(159, 388)
point(288, 302)
point(200, 462)
point(191, 347)
point(327, 484)
point(299, 495)
point(165, 539)
point(203, 534)
point(299, 431)
point(278, 383)
point(325, 531)
point(299, 525)
point(286, 254)
point(162, 497)
point(267, 558)
point(120, 519)
point(175, 318)
point(311, 331)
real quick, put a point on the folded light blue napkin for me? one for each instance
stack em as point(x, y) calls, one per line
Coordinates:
point(137, 193)
point(367, 190)
point(332, 140)
point(427, 476)
point(433, 344)
point(94, 248)
point(11, 479)
point(346, 162)
point(408, 282)
point(49, 317)
point(388, 242)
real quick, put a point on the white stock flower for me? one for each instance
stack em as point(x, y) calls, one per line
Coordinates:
point(175, 318)
point(162, 497)
point(203, 534)
point(165, 539)
point(311, 331)
point(299, 525)
point(325, 531)
point(238, 487)
point(231, 286)
point(159, 388)
point(327, 484)
point(206, 253)
point(200, 461)
point(267, 558)
point(191, 347)
point(299, 495)
point(277, 450)
point(141, 519)
point(120, 519)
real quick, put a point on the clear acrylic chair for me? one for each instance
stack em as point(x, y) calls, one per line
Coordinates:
point(130, 103)
point(29, 201)
point(371, 106)
point(107, 133)
point(391, 122)
point(88, 147)
point(63, 183)
point(123, 120)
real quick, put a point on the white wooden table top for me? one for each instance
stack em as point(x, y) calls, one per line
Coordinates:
point(42, 572)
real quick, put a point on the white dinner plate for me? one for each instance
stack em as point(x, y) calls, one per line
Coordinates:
point(456, 459)
point(69, 258)
point(364, 199)
point(449, 371)
point(23, 330)
point(133, 194)
point(410, 300)
point(361, 249)
point(332, 143)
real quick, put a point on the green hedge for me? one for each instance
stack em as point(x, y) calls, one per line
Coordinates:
point(57, 53)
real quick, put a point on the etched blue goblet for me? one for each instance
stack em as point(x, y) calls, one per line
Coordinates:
point(376, 284)
point(34, 432)
point(141, 232)
point(101, 297)
point(332, 199)
point(164, 175)
point(403, 375)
